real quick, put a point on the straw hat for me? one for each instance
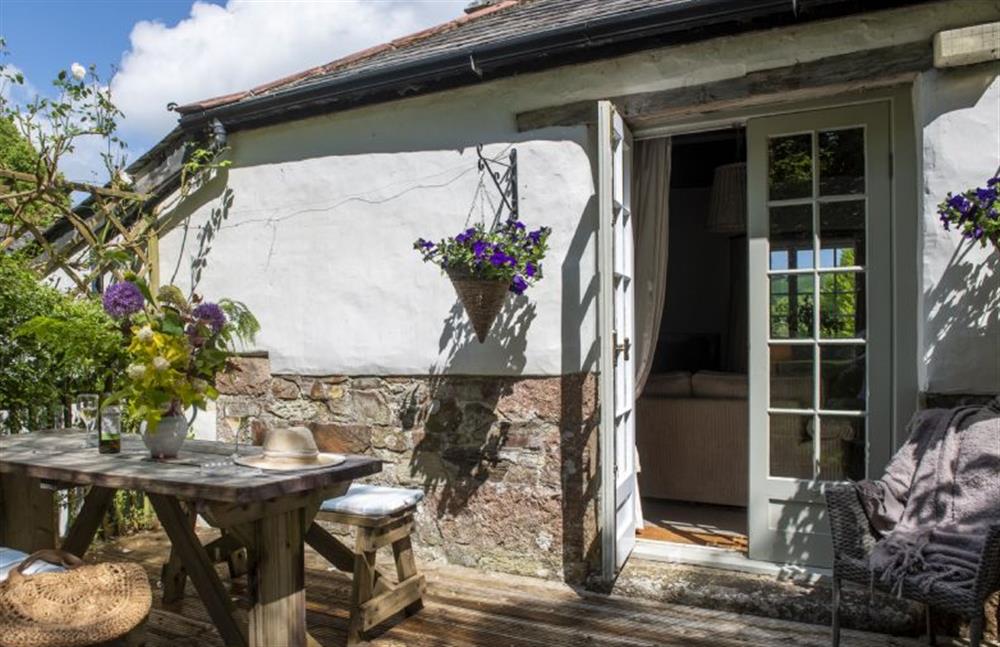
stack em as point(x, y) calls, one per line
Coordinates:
point(87, 604)
point(291, 449)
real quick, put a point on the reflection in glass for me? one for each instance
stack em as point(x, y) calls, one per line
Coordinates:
point(842, 233)
point(842, 448)
point(792, 306)
point(791, 447)
point(789, 167)
point(791, 237)
point(842, 378)
point(842, 161)
point(791, 376)
point(842, 305)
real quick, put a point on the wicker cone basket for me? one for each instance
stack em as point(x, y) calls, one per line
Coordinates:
point(87, 604)
point(482, 300)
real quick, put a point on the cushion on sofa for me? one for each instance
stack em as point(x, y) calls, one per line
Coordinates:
point(713, 384)
point(676, 384)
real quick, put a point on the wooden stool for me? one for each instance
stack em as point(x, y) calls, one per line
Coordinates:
point(382, 516)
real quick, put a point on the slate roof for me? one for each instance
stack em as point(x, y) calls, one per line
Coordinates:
point(498, 22)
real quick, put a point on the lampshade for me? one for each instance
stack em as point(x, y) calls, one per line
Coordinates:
point(727, 207)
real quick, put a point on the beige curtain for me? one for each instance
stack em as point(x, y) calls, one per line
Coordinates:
point(650, 228)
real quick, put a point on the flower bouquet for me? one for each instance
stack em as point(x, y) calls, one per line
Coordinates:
point(176, 346)
point(484, 265)
point(976, 213)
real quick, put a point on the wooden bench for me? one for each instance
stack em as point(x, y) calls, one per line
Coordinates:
point(382, 516)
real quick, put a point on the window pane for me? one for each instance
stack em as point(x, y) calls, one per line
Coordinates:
point(842, 305)
point(791, 237)
point(791, 306)
point(791, 376)
point(791, 447)
point(842, 378)
point(790, 167)
point(842, 162)
point(842, 448)
point(842, 233)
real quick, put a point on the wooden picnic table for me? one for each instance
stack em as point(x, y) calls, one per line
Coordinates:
point(269, 513)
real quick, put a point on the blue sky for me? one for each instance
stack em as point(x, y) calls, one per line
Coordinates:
point(45, 36)
point(185, 50)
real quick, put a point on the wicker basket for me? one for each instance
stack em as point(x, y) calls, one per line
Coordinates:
point(482, 299)
point(87, 604)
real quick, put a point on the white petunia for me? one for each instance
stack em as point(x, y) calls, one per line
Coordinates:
point(160, 363)
point(78, 71)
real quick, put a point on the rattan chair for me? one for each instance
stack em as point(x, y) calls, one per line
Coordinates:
point(853, 540)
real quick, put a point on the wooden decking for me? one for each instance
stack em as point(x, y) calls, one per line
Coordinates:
point(466, 608)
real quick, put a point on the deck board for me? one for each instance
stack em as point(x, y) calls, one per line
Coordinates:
point(469, 608)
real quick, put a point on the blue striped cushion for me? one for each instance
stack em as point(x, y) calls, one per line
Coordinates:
point(10, 558)
point(373, 500)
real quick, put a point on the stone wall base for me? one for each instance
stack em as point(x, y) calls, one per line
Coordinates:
point(507, 464)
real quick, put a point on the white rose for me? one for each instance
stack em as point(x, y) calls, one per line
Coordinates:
point(78, 71)
point(145, 334)
point(160, 363)
point(124, 177)
point(136, 371)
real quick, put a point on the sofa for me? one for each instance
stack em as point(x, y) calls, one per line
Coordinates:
point(692, 433)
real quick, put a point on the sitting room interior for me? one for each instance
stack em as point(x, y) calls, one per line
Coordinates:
point(691, 419)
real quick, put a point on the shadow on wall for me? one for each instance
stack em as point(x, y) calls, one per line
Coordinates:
point(964, 310)
point(463, 433)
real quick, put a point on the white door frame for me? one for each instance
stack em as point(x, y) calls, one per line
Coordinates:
point(906, 232)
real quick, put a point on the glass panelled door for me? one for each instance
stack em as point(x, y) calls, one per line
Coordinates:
point(820, 329)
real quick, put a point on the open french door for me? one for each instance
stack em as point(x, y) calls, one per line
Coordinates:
point(819, 320)
point(617, 329)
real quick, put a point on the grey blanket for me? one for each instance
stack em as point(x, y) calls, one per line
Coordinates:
point(937, 499)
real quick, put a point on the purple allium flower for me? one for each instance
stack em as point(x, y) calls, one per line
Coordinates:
point(518, 285)
point(211, 314)
point(530, 269)
point(122, 299)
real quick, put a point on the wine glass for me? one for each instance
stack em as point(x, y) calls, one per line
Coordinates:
point(86, 413)
point(237, 416)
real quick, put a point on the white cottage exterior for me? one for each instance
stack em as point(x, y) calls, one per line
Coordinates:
point(523, 442)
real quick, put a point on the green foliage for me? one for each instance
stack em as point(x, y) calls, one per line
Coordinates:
point(176, 347)
point(52, 345)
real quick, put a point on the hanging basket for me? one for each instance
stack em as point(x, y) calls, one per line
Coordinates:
point(482, 299)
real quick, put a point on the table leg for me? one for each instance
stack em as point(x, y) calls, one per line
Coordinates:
point(173, 574)
point(27, 514)
point(278, 616)
point(200, 569)
point(81, 534)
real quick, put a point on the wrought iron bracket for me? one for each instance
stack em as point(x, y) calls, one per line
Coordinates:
point(504, 177)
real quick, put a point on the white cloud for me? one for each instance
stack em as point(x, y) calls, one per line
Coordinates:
point(218, 50)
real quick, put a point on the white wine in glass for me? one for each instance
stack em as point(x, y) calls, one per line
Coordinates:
point(87, 411)
point(237, 416)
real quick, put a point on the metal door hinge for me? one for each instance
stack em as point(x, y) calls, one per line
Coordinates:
point(624, 347)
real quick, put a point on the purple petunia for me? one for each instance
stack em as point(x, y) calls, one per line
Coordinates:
point(518, 285)
point(960, 203)
point(211, 314)
point(122, 299)
point(466, 235)
point(424, 244)
point(479, 248)
point(993, 181)
point(530, 269)
point(986, 196)
point(499, 259)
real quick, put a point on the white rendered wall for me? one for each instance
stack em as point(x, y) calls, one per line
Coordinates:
point(959, 110)
point(324, 211)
